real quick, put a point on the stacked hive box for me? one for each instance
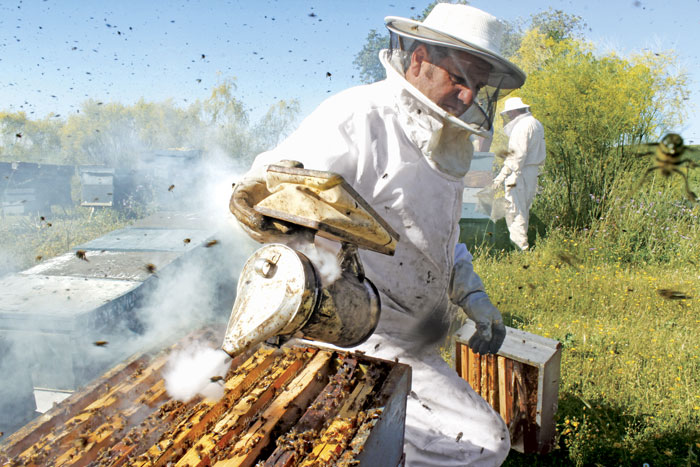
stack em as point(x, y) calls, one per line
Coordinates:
point(293, 406)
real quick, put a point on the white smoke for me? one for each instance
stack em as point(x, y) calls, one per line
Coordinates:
point(196, 369)
point(325, 261)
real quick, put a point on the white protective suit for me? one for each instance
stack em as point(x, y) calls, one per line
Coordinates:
point(526, 153)
point(393, 146)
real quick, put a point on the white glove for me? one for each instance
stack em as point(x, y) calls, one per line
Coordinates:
point(500, 178)
point(467, 291)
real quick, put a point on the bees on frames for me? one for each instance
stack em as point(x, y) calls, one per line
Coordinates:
point(668, 158)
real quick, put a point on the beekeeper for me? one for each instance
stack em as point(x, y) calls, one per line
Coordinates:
point(403, 144)
point(526, 153)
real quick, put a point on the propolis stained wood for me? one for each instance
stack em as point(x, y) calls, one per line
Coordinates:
point(521, 383)
point(300, 405)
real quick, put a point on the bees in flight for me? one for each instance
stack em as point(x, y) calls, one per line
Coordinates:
point(217, 379)
point(100, 343)
point(567, 258)
point(186, 241)
point(171, 187)
point(668, 158)
point(82, 254)
point(150, 268)
point(211, 243)
point(669, 294)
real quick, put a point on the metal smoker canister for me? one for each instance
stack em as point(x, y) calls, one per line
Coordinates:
point(280, 294)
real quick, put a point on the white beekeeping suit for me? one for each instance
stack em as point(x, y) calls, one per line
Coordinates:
point(526, 154)
point(407, 157)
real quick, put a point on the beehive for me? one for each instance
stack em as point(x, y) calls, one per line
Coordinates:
point(300, 405)
point(521, 383)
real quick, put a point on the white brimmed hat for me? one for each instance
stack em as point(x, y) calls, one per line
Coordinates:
point(465, 28)
point(514, 103)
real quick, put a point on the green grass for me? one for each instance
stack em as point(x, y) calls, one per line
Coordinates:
point(630, 386)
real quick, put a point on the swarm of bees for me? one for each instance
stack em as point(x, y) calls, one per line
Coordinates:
point(668, 158)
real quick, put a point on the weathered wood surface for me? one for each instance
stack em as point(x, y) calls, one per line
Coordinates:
point(292, 406)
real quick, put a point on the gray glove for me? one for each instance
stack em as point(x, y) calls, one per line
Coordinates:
point(467, 292)
point(490, 330)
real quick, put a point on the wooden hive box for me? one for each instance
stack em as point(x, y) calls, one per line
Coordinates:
point(521, 383)
point(299, 405)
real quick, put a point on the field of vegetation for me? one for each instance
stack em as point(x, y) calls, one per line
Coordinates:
point(27, 240)
point(623, 298)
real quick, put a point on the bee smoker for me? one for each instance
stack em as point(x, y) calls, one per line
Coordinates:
point(280, 294)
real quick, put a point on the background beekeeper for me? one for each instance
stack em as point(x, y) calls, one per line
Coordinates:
point(526, 153)
point(403, 144)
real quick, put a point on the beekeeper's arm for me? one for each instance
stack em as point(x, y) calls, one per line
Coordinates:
point(320, 142)
point(517, 154)
point(467, 291)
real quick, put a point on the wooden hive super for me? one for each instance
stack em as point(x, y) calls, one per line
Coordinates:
point(301, 405)
point(521, 383)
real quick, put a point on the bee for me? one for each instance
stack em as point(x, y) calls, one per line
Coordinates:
point(459, 436)
point(214, 379)
point(18, 135)
point(211, 243)
point(38, 258)
point(171, 187)
point(81, 254)
point(186, 241)
point(150, 268)
point(571, 260)
point(668, 159)
point(100, 343)
point(669, 294)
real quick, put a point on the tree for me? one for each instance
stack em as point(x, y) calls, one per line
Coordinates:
point(557, 25)
point(367, 61)
point(593, 108)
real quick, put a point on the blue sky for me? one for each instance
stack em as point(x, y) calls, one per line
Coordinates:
point(55, 54)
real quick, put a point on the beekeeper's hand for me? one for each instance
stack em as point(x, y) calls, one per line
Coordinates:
point(467, 291)
point(490, 330)
point(497, 183)
point(246, 194)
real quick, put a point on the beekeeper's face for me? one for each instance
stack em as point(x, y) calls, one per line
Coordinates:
point(451, 80)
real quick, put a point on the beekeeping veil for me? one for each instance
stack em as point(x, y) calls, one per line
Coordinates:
point(466, 29)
